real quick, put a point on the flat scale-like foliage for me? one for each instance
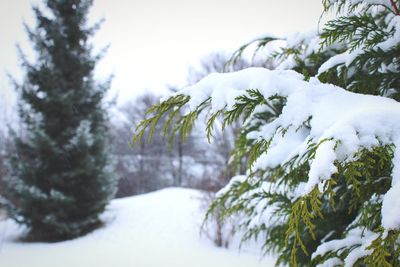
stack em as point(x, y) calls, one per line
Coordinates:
point(322, 178)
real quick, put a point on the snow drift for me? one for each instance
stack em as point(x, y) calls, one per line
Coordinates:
point(152, 230)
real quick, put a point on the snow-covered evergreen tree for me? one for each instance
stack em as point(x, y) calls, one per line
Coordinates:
point(61, 176)
point(323, 146)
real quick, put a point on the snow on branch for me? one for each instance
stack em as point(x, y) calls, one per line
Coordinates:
point(338, 122)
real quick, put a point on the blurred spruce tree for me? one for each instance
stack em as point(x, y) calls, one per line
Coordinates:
point(61, 177)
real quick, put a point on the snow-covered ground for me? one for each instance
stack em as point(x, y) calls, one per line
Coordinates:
point(159, 229)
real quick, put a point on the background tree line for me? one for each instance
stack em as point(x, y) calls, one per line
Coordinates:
point(194, 163)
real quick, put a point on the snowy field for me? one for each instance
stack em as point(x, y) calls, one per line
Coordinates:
point(152, 230)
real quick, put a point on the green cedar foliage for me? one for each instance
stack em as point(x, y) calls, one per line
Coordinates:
point(358, 51)
point(61, 175)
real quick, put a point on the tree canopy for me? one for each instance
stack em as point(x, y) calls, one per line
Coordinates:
point(61, 175)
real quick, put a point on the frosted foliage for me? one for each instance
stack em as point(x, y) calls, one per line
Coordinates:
point(281, 149)
point(235, 179)
point(322, 166)
point(393, 26)
point(304, 43)
point(353, 238)
point(332, 262)
point(340, 122)
point(345, 58)
point(391, 29)
point(262, 210)
point(391, 208)
point(83, 134)
point(310, 40)
point(385, 3)
point(391, 201)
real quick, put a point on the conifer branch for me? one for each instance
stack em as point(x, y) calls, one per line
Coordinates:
point(396, 9)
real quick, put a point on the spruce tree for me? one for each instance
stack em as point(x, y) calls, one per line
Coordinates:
point(319, 189)
point(61, 176)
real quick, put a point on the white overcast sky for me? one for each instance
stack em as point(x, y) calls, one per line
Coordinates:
point(154, 41)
